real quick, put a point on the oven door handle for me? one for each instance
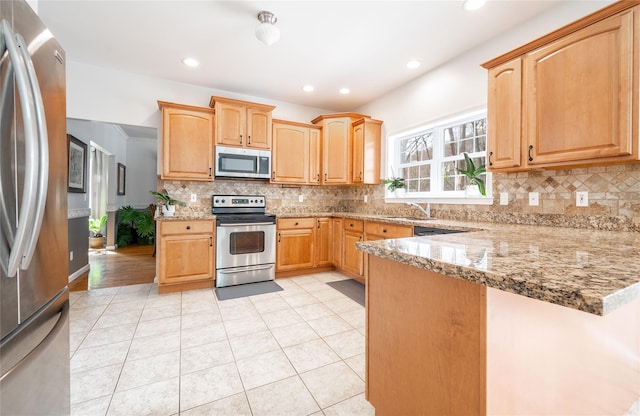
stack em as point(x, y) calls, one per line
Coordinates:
point(244, 269)
point(244, 224)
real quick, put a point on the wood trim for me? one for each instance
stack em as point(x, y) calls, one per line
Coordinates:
point(368, 120)
point(339, 115)
point(205, 284)
point(166, 104)
point(295, 123)
point(226, 100)
point(300, 272)
point(590, 19)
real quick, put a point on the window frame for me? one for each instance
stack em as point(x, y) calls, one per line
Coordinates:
point(438, 196)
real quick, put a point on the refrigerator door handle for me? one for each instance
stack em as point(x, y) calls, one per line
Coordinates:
point(30, 186)
point(43, 162)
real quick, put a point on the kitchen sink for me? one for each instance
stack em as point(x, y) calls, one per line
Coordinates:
point(409, 218)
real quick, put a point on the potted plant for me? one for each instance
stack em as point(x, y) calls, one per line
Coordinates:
point(395, 185)
point(475, 185)
point(167, 203)
point(96, 238)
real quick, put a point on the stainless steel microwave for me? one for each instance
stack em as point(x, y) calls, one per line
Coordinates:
point(238, 162)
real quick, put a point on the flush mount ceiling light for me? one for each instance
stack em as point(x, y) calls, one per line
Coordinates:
point(413, 64)
point(473, 4)
point(308, 88)
point(266, 32)
point(190, 62)
point(344, 91)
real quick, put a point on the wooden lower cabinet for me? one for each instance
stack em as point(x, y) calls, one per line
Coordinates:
point(324, 232)
point(295, 244)
point(336, 225)
point(382, 231)
point(186, 254)
point(352, 258)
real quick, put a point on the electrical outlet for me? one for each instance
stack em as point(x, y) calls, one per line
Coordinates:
point(71, 255)
point(582, 199)
point(194, 197)
point(534, 199)
point(300, 198)
point(504, 198)
point(366, 198)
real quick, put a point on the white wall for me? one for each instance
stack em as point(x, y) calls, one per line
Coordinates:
point(141, 172)
point(102, 94)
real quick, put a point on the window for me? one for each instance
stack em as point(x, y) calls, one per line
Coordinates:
point(428, 157)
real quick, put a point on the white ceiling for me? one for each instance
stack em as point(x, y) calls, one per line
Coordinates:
point(362, 45)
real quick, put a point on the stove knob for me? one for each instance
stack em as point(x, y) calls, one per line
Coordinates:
point(223, 201)
point(216, 201)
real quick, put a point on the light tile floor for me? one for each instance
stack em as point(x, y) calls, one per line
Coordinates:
point(295, 352)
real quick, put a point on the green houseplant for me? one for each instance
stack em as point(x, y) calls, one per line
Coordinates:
point(134, 226)
point(96, 238)
point(473, 174)
point(167, 202)
point(394, 183)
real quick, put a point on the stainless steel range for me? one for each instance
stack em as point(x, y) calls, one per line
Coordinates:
point(245, 240)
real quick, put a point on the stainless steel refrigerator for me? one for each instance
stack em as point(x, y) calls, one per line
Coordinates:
point(34, 299)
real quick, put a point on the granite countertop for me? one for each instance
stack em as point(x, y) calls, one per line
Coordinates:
point(592, 271)
point(189, 217)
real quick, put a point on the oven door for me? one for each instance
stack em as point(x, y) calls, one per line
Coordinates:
point(242, 245)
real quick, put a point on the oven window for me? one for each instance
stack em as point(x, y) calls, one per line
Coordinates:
point(246, 242)
point(238, 163)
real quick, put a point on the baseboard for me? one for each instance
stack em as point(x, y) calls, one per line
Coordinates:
point(73, 276)
point(111, 248)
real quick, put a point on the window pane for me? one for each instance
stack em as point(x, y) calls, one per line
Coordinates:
point(481, 144)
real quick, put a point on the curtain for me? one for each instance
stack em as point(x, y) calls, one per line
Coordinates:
point(98, 184)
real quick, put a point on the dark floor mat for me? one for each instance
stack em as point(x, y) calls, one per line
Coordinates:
point(350, 288)
point(249, 289)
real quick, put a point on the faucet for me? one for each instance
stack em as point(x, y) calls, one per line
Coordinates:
point(426, 212)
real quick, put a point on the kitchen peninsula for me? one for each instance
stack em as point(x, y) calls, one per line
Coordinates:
point(507, 319)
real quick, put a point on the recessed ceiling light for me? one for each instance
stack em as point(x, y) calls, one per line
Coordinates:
point(413, 64)
point(190, 62)
point(308, 88)
point(473, 4)
point(344, 91)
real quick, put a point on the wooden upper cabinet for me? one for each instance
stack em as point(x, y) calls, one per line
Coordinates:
point(580, 94)
point(569, 98)
point(242, 123)
point(366, 151)
point(504, 114)
point(296, 153)
point(187, 142)
point(337, 146)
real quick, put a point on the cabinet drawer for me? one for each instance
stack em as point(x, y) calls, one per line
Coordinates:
point(185, 227)
point(388, 230)
point(296, 223)
point(353, 225)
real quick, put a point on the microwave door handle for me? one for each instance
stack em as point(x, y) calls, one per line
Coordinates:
point(30, 186)
point(43, 158)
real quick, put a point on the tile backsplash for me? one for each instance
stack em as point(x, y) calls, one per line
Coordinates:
point(614, 198)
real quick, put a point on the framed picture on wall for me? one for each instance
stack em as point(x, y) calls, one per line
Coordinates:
point(122, 178)
point(77, 155)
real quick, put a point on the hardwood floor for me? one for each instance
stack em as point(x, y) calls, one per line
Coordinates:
point(129, 265)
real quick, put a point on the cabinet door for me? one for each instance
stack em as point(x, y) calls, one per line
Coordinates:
point(230, 124)
point(258, 128)
point(579, 94)
point(323, 242)
point(185, 258)
point(290, 156)
point(352, 258)
point(504, 114)
point(187, 144)
point(337, 226)
point(335, 146)
point(314, 156)
point(357, 175)
point(295, 249)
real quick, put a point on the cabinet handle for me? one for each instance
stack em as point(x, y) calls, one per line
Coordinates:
point(530, 149)
point(210, 172)
point(273, 175)
point(318, 177)
point(384, 230)
point(210, 241)
point(360, 239)
point(188, 227)
point(350, 225)
point(248, 139)
point(490, 162)
point(295, 223)
point(318, 224)
point(325, 177)
point(279, 235)
point(241, 139)
point(360, 175)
